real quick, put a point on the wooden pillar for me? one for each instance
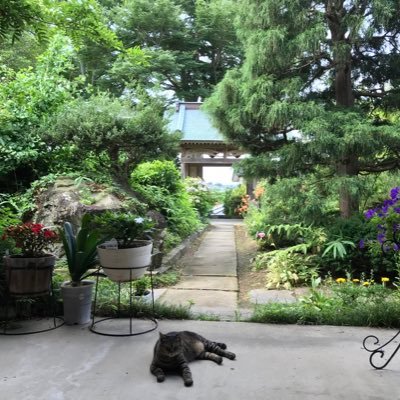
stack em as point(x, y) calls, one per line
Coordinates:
point(194, 170)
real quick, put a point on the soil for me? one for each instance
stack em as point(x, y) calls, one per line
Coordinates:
point(246, 248)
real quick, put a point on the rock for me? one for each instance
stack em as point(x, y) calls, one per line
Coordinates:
point(65, 201)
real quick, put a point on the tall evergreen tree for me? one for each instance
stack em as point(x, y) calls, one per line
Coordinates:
point(318, 90)
point(189, 44)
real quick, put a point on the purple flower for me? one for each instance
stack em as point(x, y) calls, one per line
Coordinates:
point(394, 193)
point(396, 247)
point(380, 238)
point(361, 244)
point(369, 213)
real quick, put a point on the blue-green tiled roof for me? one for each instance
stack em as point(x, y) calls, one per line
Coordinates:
point(194, 123)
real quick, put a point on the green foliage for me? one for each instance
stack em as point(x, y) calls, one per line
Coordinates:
point(28, 98)
point(162, 174)
point(171, 240)
point(80, 248)
point(286, 269)
point(202, 199)
point(177, 37)
point(120, 134)
point(107, 304)
point(123, 226)
point(337, 247)
point(303, 100)
point(159, 281)
point(308, 201)
point(17, 16)
point(233, 200)
point(343, 304)
point(182, 218)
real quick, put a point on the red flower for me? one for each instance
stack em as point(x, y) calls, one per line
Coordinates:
point(33, 239)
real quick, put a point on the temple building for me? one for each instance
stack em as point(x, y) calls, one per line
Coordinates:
point(202, 145)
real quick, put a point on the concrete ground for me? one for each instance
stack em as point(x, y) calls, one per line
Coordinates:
point(273, 362)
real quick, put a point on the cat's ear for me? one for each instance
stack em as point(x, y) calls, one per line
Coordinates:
point(161, 335)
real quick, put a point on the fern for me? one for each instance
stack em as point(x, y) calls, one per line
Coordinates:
point(337, 248)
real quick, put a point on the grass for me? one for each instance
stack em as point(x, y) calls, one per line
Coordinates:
point(345, 305)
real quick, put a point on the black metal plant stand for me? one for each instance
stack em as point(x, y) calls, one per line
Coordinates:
point(95, 326)
point(51, 310)
point(379, 351)
point(371, 342)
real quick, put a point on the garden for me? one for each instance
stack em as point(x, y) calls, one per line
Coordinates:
point(88, 163)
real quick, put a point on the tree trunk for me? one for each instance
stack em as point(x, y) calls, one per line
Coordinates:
point(348, 201)
point(348, 166)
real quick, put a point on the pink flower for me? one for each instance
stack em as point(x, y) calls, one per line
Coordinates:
point(260, 235)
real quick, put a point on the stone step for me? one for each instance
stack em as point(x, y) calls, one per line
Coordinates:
point(209, 283)
point(200, 299)
point(210, 270)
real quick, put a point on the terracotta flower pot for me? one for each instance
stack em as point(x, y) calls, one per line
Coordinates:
point(29, 276)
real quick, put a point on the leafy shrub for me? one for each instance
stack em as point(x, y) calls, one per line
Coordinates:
point(171, 240)
point(286, 269)
point(342, 304)
point(295, 200)
point(162, 174)
point(233, 200)
point(201, 197)
point(182, 218)
point(294, 238)
point(121, 133)
point(125, 227)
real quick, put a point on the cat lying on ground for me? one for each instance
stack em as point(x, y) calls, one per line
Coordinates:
point(174, 350)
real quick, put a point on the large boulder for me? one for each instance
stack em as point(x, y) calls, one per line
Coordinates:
point(64, 200)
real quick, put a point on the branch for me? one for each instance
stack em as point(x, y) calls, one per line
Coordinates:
point(386, 165)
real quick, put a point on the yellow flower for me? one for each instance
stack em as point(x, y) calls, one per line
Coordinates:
point(356, 280)
point(340, 280)
point(385, 279)
point(366, 283)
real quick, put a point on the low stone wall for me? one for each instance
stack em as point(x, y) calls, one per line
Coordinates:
point(170, 259)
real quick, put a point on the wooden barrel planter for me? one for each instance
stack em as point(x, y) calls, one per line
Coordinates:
point(29, 276)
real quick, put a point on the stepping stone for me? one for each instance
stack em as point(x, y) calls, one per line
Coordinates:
point(219, 270)
point(216, 259)
point(263, 296)
point(209, 282)
point(210, 299)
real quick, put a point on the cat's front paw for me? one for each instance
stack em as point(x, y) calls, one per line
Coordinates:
point(230, 355)
point(188, 382)
point(160, 378)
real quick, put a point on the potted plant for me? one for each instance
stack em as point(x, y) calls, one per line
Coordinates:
point(128, 257)
point(30, 272)
point(142, 292)
point(81, 254)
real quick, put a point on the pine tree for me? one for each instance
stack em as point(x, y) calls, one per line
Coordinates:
point(318, 90)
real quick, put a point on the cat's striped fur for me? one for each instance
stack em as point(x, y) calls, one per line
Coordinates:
point(174, 350)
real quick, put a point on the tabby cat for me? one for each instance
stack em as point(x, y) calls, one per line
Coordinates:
point(174, 350)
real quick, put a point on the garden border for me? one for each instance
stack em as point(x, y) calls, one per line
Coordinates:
point(169, 260)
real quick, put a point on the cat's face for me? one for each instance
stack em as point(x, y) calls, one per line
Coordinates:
point(170, 344)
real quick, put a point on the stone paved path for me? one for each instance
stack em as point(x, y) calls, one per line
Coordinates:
point(209, 280)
